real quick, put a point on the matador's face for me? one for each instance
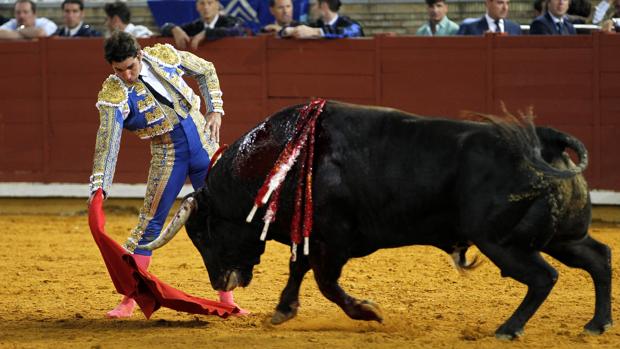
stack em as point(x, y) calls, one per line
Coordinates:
point(129, 69)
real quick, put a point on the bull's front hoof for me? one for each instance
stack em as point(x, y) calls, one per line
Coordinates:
point(508, 335)
point(371, 311)
point(280, 317)
point(595, 328)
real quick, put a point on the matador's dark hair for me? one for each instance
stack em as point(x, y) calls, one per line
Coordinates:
point(120, 46)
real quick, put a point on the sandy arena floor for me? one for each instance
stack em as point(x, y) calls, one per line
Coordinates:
point(55, 290)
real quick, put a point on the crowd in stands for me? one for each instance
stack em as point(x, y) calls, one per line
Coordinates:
point(555, 17)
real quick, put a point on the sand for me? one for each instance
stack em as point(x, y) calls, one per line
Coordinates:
point(55, 289)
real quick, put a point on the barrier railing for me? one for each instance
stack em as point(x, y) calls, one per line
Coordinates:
point(48, 90)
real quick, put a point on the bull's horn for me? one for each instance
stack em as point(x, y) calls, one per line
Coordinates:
point(185, 210)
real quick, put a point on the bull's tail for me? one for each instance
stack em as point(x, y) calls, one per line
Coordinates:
point(555, 142)
point(539, 145)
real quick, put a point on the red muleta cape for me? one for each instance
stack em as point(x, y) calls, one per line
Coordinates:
point(149, 292)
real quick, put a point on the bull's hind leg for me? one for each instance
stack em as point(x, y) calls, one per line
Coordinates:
point(595, 258)
point(289, 299)
point(327, 266)
point(529, 268)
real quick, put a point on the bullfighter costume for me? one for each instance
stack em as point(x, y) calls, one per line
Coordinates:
point(170, 118)
point(179, 146)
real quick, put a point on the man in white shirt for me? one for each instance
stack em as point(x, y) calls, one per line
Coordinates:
point(118, 17)
point(26, 25)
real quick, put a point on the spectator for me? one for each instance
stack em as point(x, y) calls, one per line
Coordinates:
point(331, 25)
point(73, 18)
point(26, 25)
point(438, 22)
point(607, 15)
point(313, 12)
point(554, 21)
point(118, 17)
point(210, 26)
point(493, 21)
point(579, 11)
point(539, 7)
point(282, 11)
point(611, 25)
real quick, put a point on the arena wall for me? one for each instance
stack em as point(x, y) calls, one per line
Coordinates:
point(48, 89)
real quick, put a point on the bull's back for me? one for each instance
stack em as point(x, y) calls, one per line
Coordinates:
point(389, 171)
point(403, 154)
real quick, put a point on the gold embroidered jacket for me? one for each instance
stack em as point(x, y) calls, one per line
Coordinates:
point(132, 106)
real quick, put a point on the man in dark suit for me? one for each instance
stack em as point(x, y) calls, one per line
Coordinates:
point(331, 25)
point(282, 12)
point(493, 21)
point(73, 17)
point(210, 26)
point(554, 21)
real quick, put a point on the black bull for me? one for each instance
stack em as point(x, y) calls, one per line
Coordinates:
point(384, 178)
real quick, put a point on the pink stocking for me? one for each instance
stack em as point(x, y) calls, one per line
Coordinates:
point(227, 298)
point(125, 308)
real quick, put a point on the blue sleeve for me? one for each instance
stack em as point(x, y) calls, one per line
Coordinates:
point(350, 31)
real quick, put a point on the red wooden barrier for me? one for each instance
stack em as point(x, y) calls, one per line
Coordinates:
point(48, 90)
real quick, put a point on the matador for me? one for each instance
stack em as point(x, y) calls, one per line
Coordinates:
point(147, 96)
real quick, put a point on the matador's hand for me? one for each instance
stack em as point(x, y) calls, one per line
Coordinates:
point(92, 196)
point(214, 121)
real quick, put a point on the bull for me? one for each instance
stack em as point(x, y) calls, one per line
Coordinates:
point(384, 178)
